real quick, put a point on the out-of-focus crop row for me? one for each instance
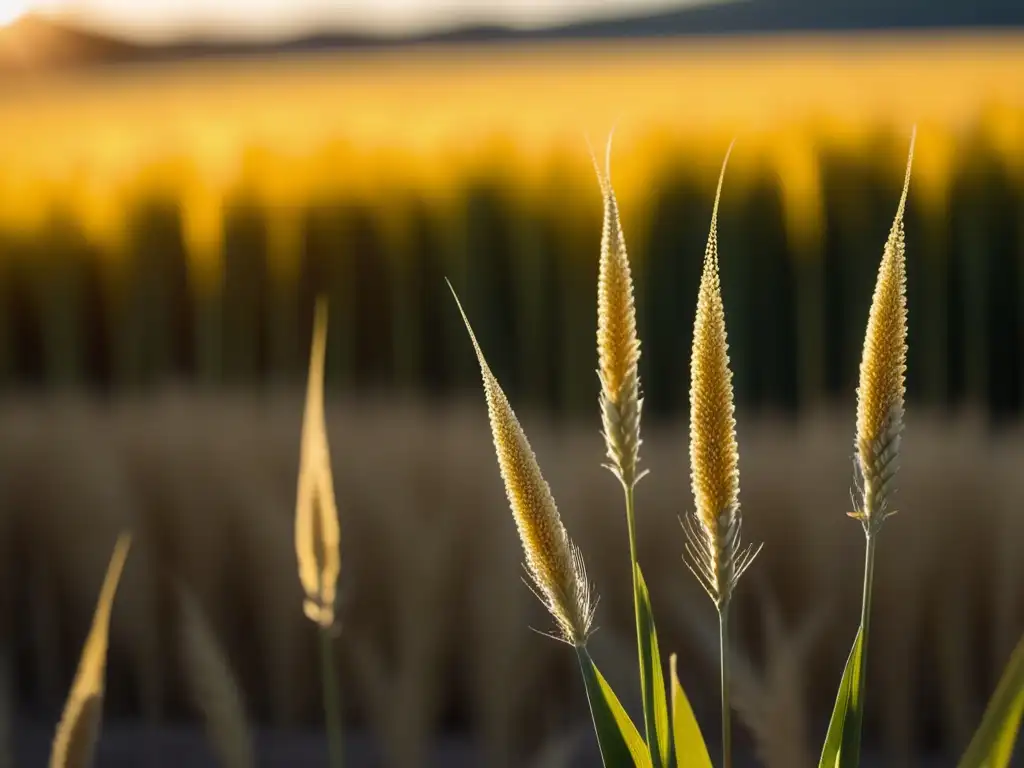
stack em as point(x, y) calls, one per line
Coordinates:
point(176, 221)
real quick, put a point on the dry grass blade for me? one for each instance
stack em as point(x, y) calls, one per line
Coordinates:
point(79, 728)
point(882, 385)
point(716, 555)
point(557, 752)
point(403, 688)
point(317, 532)
point(618, 348)
point(553, 562)
point(772, 703)
point(212, 686)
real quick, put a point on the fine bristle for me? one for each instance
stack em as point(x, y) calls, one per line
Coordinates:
point(716, 554)
point(317, 531)
point(618, 347)
point(552, 560)
point(882, 386)
point(79, 729)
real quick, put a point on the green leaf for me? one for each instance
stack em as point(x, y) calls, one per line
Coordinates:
point(619, 740)
point(685, 730)
point(842, 743)
point(992, 745)
point(652, 676)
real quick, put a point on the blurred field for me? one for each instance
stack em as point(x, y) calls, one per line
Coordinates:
point(173, 221)
point(435, 621)
point(165, 228)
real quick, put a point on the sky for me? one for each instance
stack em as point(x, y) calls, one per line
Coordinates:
point(161, 20)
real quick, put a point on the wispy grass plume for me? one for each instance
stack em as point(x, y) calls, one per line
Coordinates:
point(882, 386)
point(880, 401)
point(79, 729)
point(618, 348)
point(618, 353)
point(554, 563)
point(716, 554)
point(317, 531)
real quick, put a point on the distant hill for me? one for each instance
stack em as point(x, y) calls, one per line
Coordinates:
point(34, 43)
point(753, 16)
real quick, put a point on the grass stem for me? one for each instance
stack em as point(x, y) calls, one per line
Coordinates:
point(723, 649)
point(865, 620)
point(646, 690)
point(332, 700)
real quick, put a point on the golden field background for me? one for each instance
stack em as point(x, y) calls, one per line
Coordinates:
point(370, 123)
point(164, 229)
point(174, 220)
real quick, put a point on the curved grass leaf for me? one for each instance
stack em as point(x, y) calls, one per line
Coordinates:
point(992, 745)
point(79, 728)
point(652, 677)
point(842, 743)
point(686, 733)
point(617, 736)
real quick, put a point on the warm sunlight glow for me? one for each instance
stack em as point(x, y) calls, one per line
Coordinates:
point(162, 20)
point(11, 11)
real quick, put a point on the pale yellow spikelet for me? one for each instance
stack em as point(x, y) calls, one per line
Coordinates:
point(882, 386)
point(554, 563)
point(618, 348)
point(79, 729)
point(317, 531)
point(716, 555)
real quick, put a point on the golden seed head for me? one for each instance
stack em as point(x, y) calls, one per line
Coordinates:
point(618, 348)
point(317, 531)
point(714, 546)
point(882, 387)
point(79, 729)
point(552, 560)
point(714, 455)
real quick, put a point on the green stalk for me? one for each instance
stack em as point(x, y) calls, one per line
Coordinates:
point(332, 701)
point(723, 650)
point(865, 619)
point(646, 690)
